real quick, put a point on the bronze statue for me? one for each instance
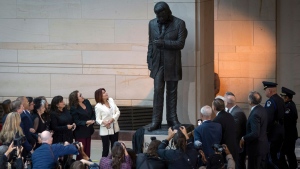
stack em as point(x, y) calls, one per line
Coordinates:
point(167, 35)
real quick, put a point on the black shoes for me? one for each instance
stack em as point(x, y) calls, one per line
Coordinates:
point(154, 126)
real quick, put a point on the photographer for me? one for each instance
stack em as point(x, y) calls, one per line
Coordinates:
point(184, 156)
point(216, 160)
point(16, 162)
point(47, 154)
point(85, 161)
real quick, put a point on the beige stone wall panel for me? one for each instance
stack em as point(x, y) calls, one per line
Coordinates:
point(123, 102)
point(242, 32)
point(115, 71)
point(48, 9)
point(8, 56)
point(86, 84)
point(50, 56)
point(239, 86)
point(144, 103)
point(232, 9)
point(114, 57)
point(114, 9)
point(134, 87)
point(256, 49)
point(81, 31)
point(262, 10)
point(234, 65)
point(265, 33)
point(15, 84)
point(131, 31)
point(8, 9)
point(225, 48)
point(223, 33)
point(50, 70)
point(262, 65)
point(67, 46)
point(24, 30)
point(8, 68)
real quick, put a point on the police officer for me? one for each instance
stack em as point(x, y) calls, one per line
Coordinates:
point(275, 108)
point(290, 126)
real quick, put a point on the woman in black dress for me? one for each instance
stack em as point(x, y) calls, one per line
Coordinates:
point(61, 121)
point(84, 117)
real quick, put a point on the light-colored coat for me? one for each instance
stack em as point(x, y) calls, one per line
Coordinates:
point(103, 113)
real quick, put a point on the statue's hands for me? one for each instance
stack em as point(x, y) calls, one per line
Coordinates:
point(159, 42)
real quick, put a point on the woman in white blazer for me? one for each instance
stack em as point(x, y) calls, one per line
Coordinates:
point(107, 114)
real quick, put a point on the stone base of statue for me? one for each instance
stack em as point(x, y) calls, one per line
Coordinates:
point(162, 133)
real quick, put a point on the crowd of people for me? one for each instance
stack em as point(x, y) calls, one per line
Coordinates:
point(267, 137)
point(34, 136)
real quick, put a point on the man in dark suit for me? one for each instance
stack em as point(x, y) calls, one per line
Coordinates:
point(207, 133)
point(290, 129)
point(240, 125)
point(27, 124)
point(256, 133)
point(228, 127)
point(167, 35)
point(275, 108)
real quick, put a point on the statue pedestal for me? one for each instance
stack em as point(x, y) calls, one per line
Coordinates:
point(161, 134)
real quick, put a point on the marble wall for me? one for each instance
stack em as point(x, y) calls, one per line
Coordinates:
point(245, 46)
point(53, 47)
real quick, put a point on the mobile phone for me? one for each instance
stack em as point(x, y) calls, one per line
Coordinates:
point(199, 122)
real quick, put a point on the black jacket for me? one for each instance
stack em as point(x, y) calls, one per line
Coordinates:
point(174, 40)
point(228, 132)
point(275, 108)
point(80, 116)
point(256, 134)
point(144, 161)
point(290, 121)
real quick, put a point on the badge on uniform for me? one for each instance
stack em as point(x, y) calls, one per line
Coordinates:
point(268, 103)
point(287, 111)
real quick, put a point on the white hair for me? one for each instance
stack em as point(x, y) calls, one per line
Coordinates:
point(206, 110)
point(220, 97)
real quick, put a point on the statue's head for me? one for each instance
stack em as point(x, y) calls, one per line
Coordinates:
point(162, 11)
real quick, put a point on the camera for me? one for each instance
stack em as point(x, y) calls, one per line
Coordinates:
point(218, 148)
point(19, 141)
point(75, 144)
point(153, 138)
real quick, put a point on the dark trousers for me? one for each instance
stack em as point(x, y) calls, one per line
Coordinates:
point(241, 162)
point(288, 150)
point(158, 99)
point(86, 142)
point(257, 162)
point(105, 142)
point(273, 158)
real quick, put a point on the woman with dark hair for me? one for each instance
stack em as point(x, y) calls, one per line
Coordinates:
point(46, 114)
point(150, 159)
point(84, 118)
point(39, 124)
point(31, 104)
point(184, 156)
point(118, 159)
point(107, 114)
point(6, 109)
point(61, 121)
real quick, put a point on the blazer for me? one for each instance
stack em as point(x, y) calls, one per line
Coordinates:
point(208, 133)
point(228, 132)
point(174, 40)
point(105, 113)
point(240, 122)
point(80, 116)
point(256, 139)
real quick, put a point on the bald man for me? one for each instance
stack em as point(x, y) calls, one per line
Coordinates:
point(240, 120)
point(47, 154)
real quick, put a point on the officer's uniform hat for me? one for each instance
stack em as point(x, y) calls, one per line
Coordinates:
point(269, 84)
point(287, 92)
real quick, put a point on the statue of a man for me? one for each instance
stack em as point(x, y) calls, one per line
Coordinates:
point(167, 36)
